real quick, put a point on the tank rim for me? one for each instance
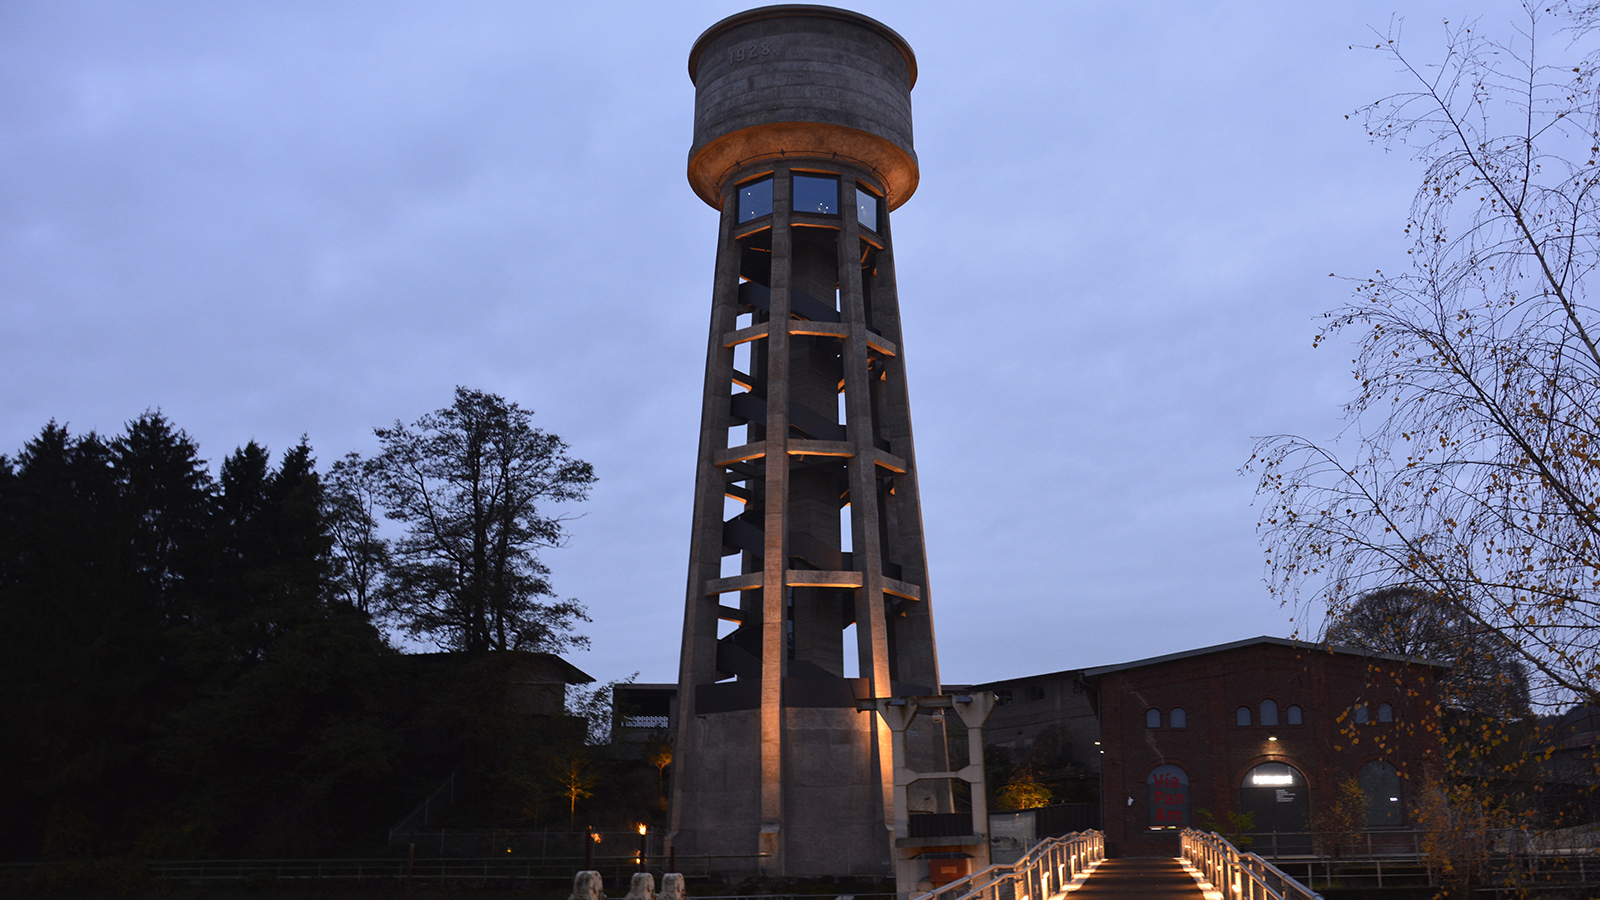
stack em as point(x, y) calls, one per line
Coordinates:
point(801, 10)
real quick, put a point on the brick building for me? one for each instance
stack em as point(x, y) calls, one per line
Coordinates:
point(1264, 725)
point(1040, 706)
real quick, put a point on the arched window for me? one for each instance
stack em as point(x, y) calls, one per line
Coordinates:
point(1274, 775)
point(1385, 712)
point(1178, 718)
point(1152, 718)
point(1241, 716)
point(1294, 716)
point(1269, 712)
point(1168, 788)
point(1362, 715)
point(1380, 782)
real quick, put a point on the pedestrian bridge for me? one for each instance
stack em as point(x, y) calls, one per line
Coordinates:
point(1209, 868)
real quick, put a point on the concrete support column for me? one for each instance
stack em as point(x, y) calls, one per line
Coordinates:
point(774, 592)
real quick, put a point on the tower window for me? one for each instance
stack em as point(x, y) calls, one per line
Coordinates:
point(867, 210)
point(1362, 715)
point(755, 199)
point(1295, 715)
point(1152, 718)
point(1241, 716)
point(814, 194)
point(1178, 717)
point(1385, 712)
point(1269, 712)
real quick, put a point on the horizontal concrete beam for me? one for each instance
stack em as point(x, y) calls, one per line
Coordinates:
point(889, 461)
point(817, 578)
point(742, 453)
point(819, 329)
point(802, 326)
point(747, 582)
point(972, 774)
point(901, 589)
point(820, 448)
point(747, 333)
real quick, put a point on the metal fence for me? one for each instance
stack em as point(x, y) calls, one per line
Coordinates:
point(1386, 843)
point(614, 869)
point(532, 843)
point(1052, 863)
point(554, 870)
point(1396, 858)
point(1245, 876)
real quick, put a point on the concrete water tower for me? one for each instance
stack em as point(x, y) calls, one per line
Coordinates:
point(808, 582)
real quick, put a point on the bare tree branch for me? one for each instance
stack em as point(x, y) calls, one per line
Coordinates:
point(1471, 466)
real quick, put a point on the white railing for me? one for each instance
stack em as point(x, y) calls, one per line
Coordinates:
point(1046, 869)
point(1239, 876)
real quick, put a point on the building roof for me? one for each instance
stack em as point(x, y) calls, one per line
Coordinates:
point(1258, 641)
point(1070, 674)
point(550, 668)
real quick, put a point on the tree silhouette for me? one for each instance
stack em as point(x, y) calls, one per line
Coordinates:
point(1485, 676)
point(361, 554)
point(469, 482)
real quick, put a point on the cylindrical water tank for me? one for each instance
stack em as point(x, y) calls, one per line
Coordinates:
point(802, 81)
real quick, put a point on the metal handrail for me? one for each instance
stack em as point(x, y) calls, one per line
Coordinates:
point(1239, 876)
point(1043, 871)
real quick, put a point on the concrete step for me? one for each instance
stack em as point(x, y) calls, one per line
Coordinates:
point(1157, 878)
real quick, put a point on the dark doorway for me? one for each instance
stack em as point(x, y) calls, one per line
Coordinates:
point(1276, 793)
point(1380, 782)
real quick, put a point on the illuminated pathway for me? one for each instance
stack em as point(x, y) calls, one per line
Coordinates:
point(1148, 877)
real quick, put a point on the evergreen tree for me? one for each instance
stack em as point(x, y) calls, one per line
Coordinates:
point(177, 674)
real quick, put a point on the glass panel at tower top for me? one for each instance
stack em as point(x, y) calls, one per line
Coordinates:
point(814, 194)
point(755, 199)
point(867, 210)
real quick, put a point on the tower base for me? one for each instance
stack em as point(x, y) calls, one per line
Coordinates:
point(832, 817)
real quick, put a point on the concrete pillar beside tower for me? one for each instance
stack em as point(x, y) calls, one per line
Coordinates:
point(807, 545)
point(966, 848)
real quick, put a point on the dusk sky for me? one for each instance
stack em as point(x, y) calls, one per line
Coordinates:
point(270, 220)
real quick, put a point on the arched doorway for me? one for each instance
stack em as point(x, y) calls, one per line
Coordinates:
point(1381, 783)
point(1276, 793)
